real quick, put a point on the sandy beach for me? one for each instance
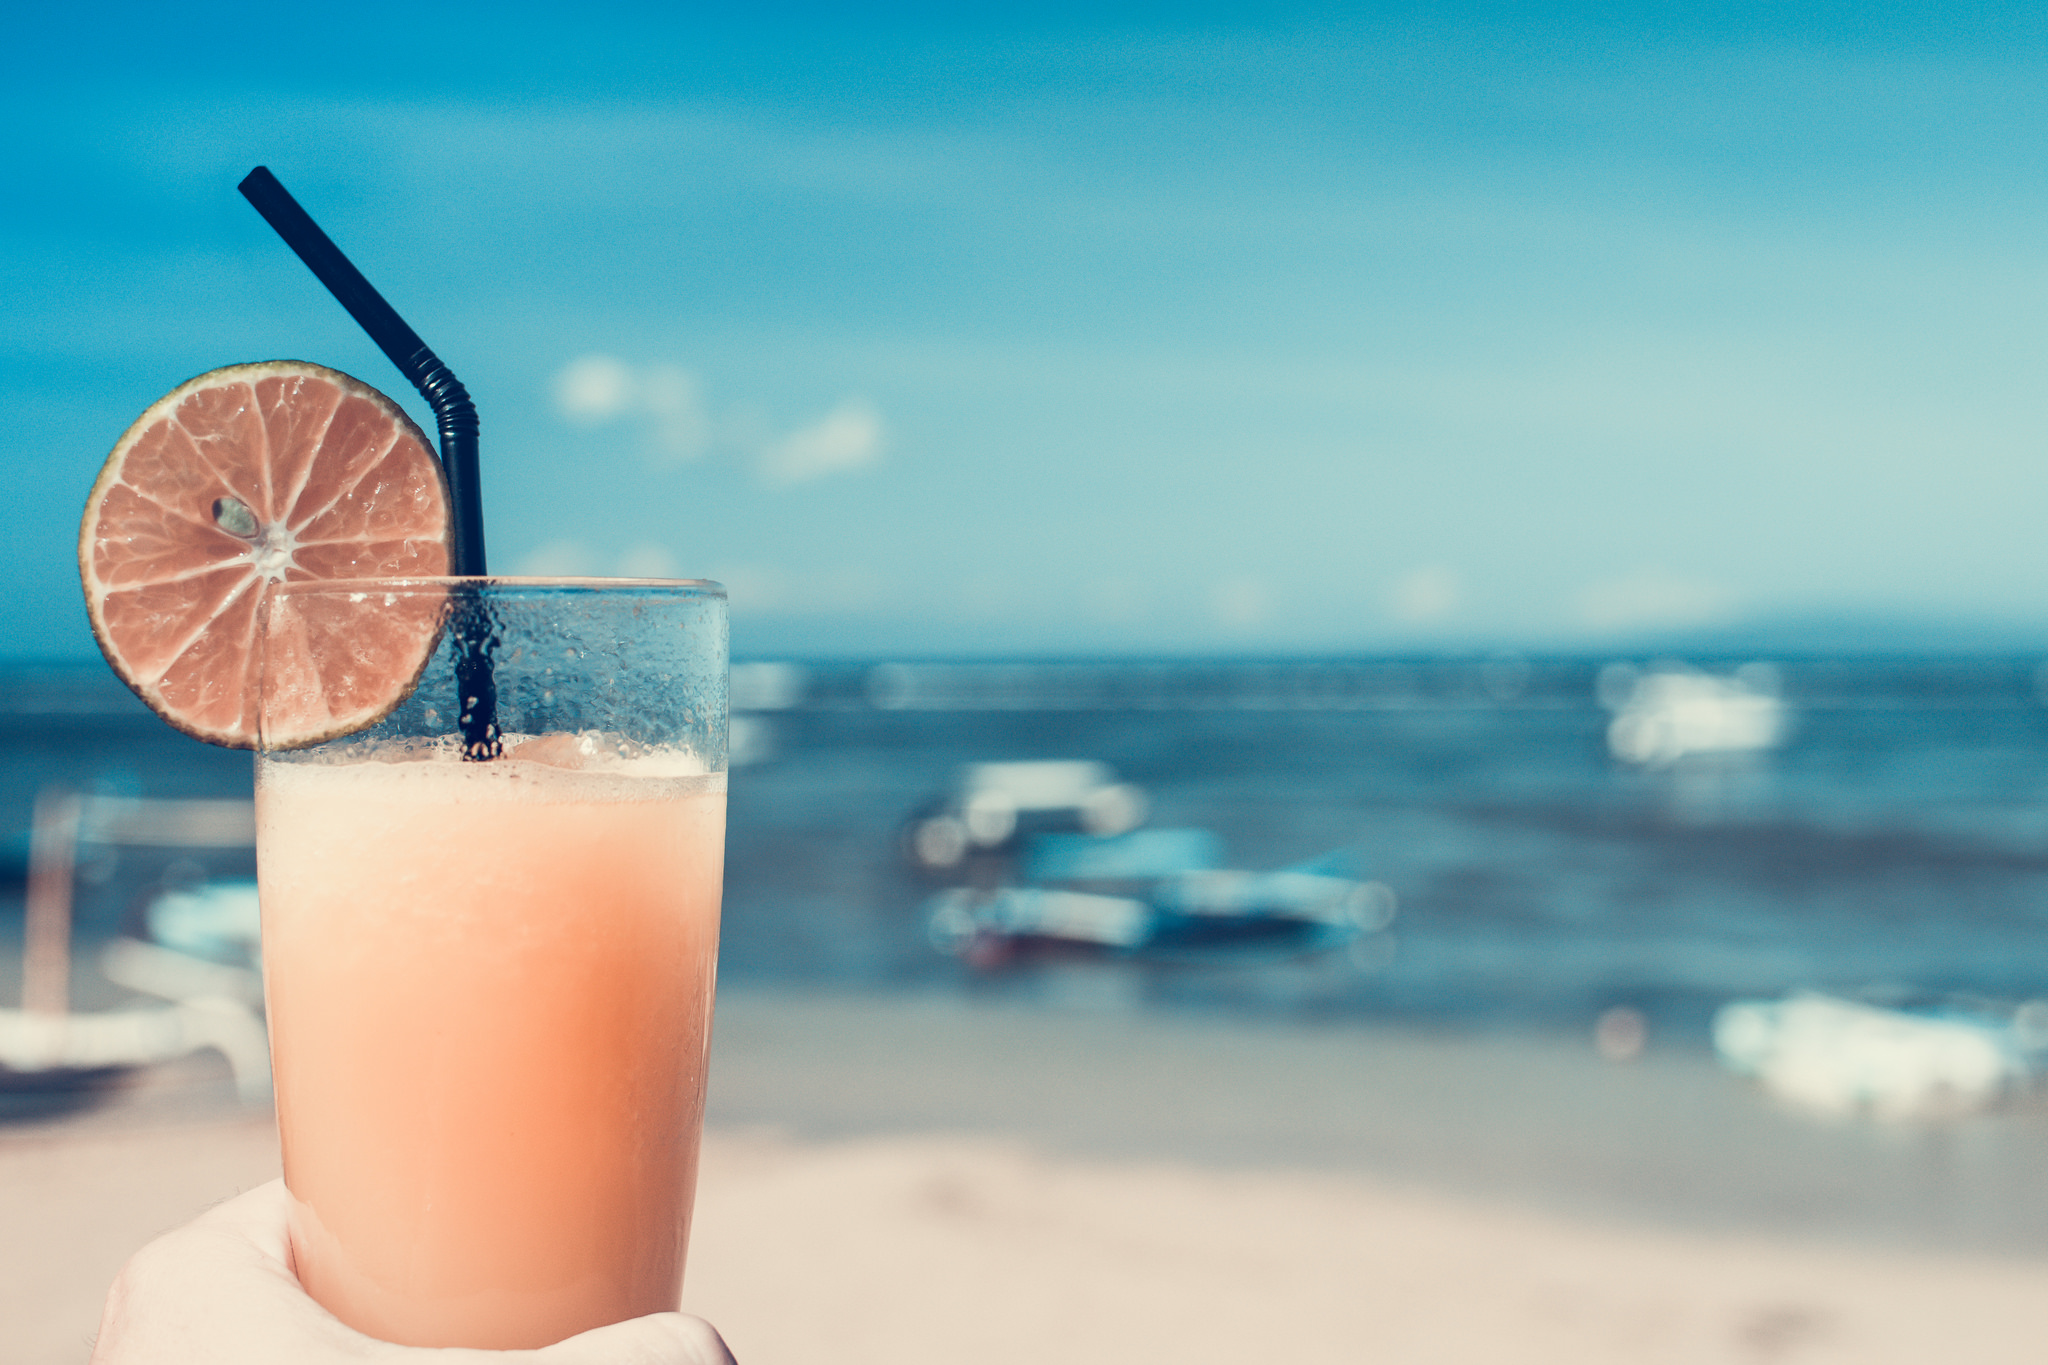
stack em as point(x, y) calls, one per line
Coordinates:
point(912, 1181)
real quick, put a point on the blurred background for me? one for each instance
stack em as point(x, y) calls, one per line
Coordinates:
point(1446, 595)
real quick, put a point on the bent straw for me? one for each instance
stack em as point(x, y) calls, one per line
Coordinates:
point(453, 412)
point(428, 373)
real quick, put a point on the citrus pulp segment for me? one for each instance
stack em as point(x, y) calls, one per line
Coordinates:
point(241, 479)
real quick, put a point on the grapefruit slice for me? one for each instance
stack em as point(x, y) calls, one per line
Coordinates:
point(236, 481)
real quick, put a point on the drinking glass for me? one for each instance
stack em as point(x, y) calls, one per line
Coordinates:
point(490, 930)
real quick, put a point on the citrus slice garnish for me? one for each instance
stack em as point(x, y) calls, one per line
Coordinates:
point(235, 481)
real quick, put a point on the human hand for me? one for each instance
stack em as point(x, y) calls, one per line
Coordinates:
point(220, 1291)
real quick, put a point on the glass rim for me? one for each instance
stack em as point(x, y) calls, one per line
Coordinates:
point(702, 587)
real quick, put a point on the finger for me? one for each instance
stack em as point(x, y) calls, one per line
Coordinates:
point(260, 1216)
point(257, 1224)
point(220, 1291)
point(657, 1339)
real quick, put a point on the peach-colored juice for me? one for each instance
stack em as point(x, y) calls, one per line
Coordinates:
point(490, 990)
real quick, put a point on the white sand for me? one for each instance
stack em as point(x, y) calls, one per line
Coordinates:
point(947, 1250)
point(928, 1250)
point(934, 1243)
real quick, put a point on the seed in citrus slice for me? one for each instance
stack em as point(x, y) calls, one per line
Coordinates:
point(235, 481)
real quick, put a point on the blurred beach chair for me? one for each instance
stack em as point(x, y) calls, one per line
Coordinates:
point(212, 1005)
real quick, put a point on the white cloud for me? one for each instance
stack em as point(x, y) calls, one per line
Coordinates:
point(580, 559)
point(1239, 603)
point(558, 559)
point(1117, 601)
point(666, 402)
point(678, 426)
point(847, 438)
point(648, 560)
point(594, 388)
point(1424, 596)
point(662, 399)
point(751, 588)
point(1652, 599)
point(760, 590)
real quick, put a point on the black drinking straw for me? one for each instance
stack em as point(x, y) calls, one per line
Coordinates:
point(453, 411)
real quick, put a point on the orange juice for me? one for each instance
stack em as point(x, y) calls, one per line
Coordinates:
point(490, 990)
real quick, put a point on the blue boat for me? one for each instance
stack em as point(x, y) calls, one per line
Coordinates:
point(1198, 915)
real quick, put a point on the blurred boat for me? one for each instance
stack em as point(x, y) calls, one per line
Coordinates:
point(1104, 861)
point(992, 807)
point(981, 925)
point(1671, 711)
point(1193, 915)
point(1845, 1057)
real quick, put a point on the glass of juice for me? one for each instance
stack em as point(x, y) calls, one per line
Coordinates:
point(490, 930)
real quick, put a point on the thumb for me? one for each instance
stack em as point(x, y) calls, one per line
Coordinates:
point(657, 1339)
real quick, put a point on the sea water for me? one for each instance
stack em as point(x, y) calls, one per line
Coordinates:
point(1896, 842)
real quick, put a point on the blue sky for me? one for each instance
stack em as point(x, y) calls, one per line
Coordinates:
point(1150, 329)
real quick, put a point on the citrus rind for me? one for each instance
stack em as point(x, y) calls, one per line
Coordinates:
point(238, 479)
